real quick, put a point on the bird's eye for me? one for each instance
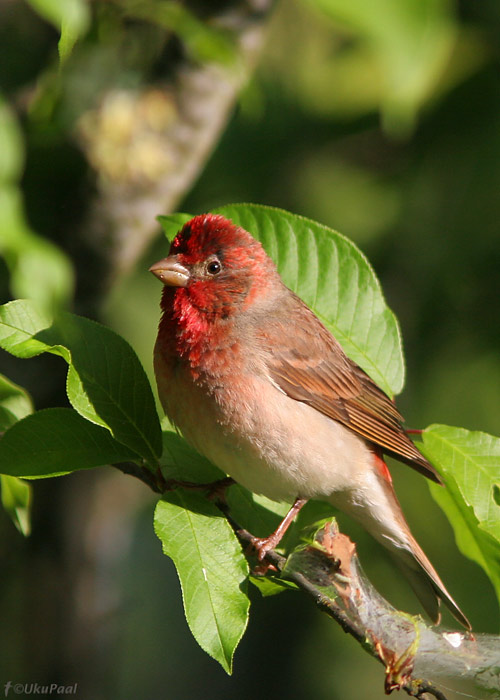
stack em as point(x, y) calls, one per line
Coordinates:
point(214, 267)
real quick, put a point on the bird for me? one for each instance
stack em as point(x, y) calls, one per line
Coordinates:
point(260, 387)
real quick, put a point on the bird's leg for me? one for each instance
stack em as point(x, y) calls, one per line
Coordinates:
point(263, 545)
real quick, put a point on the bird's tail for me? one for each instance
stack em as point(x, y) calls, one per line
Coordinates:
point(426, 583)
point(374, 504)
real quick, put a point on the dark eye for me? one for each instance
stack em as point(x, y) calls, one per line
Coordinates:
point(214, 267)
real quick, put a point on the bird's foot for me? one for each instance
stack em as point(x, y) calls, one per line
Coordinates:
point(260, 546)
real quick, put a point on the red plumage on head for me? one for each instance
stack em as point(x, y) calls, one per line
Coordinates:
point(197, 315)
point(213, 234)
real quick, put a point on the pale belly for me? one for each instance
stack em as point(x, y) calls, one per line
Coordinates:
point(268, 442)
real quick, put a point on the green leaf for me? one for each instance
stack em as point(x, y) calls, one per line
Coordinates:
point(257, 514)
point(212, 571)
point(42, 272)
point(470, 465)
point(172, 223)
point(270, 585)
point(15, 403)
point(70, 17)
point(106, 382)
point(39, 269)
point(410, 43)
point(57, 441)
point(181, 461)
point(16, 499)
point(336, 281)
point(11, 146)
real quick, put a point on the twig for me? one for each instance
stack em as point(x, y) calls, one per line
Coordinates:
point(414, 688)
point(154, 481)
point(327, 568)
point(190, 110)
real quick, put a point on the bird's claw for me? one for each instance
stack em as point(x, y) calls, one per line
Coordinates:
point(260, 546)
point(263, 568)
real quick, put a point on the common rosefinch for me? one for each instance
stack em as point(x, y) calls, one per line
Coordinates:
point(260, 387)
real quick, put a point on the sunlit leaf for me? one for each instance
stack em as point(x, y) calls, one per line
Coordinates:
point(336, 281)
point(212, 570)
point(270, 585)
point(106, 382)
point(470, 465)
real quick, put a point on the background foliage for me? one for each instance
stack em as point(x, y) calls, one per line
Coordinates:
point(378, 119)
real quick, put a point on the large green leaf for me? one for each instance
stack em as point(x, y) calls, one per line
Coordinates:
point(336, 281)
point(470, 464)
point(106, 382)
point(212, 570)
point(57, 441)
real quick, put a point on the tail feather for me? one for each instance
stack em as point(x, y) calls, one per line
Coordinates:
point(374, 504)
point(427, 584)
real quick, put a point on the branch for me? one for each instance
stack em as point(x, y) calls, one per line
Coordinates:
point(154, 481)
point(169, 130)
point(327, 568)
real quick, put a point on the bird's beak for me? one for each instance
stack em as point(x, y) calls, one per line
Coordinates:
point(171, 272)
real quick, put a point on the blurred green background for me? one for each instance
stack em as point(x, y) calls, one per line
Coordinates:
point(380, 119)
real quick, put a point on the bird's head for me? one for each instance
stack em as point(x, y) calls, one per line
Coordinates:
point(216, 267)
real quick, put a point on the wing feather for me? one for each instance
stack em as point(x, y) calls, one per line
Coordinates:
point(309, 365)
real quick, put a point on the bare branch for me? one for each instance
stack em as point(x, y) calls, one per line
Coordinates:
point(168, 132)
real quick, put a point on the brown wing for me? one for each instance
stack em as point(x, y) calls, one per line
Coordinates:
point(309, 365)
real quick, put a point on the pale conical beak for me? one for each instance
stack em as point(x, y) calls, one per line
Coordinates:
point(171, 272)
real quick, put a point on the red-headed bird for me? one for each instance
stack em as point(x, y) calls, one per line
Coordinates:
point(258, 385)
